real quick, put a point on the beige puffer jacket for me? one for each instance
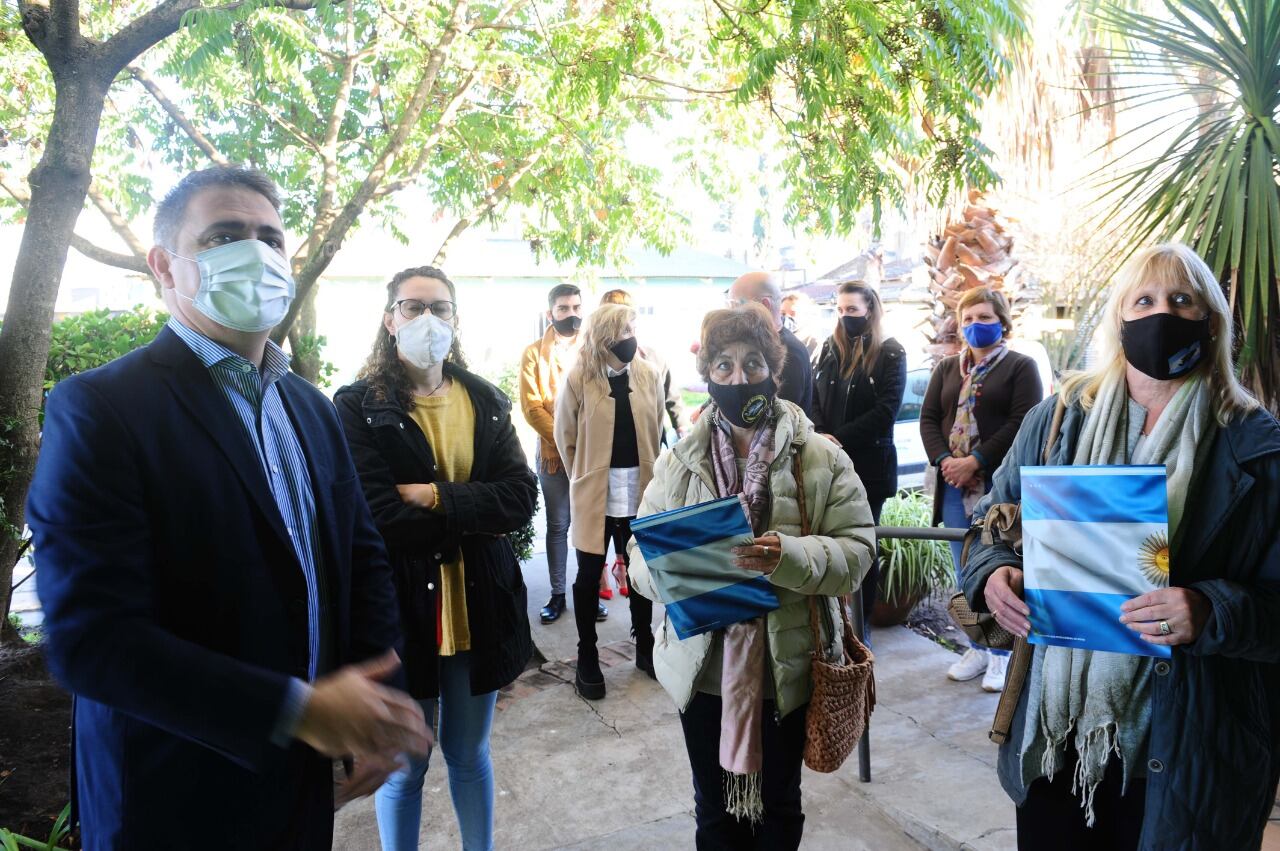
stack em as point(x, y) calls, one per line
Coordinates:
point(829, 562)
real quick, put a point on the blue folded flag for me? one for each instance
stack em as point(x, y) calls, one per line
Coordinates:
point(1093, 537)
point(688, 554)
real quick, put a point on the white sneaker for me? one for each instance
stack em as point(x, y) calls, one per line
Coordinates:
point(993, 679)
point(970, 665)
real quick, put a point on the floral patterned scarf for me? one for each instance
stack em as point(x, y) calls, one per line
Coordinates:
point(964, 432)
point(742, 675)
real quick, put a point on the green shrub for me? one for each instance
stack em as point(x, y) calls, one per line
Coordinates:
point(88, 340)
point(912, 567)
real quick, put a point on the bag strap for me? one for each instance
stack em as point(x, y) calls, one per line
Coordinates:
point(797, 472)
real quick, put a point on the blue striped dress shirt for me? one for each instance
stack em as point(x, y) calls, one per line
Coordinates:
point(256, 400)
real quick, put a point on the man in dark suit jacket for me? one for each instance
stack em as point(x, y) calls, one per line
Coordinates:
point(216, 595)
point(796, 382)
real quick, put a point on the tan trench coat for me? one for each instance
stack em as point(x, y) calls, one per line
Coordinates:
point(584, 437)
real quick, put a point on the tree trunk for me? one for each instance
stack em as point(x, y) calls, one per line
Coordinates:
point(305, 357)
point(58, 188)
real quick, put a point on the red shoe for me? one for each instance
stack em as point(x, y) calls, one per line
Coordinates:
point(620, 576)
point(606, 593)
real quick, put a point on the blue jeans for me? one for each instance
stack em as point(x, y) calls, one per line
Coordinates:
point(463, 736)
point(955, 517)
point(555, 500)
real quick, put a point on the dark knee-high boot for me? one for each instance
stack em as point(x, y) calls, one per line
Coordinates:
point(589, 679)
point(642, 628)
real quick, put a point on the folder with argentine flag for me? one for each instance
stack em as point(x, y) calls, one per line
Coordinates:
point(1093, 537)
point(687, 551)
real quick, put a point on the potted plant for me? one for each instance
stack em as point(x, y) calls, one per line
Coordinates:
point(909, 570)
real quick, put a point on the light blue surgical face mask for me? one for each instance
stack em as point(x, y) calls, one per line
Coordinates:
point(245, 285)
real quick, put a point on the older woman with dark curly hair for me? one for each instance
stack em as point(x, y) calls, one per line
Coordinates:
point(742, 691)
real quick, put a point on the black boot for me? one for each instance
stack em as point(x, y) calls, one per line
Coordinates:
point(554, 608)
point(641, 617)
point(589, 680)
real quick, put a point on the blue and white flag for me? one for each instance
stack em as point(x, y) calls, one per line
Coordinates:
point(1092, 538)
point(688, 554)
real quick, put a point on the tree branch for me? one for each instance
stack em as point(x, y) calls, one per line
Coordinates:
point(285, 125)
point(131, 262)
point(179, 118)
point(443, 123)
point(53, 27)
point(329, 244)
point(140, 34)
point(491, 200)
point(136, 262)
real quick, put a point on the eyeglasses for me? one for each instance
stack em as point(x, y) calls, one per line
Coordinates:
point(412, 308)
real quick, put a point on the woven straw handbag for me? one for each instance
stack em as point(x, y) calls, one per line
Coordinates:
point(844, 691)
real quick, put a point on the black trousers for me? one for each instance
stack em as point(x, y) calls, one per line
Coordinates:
point(1051, 818)
point(783, 746)
point(617, 530)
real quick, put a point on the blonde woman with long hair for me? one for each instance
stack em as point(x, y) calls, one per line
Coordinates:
point(1126, 751)
point(607, 424)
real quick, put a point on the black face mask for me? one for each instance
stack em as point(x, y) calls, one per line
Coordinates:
point(624, 350)
point(568, 326)
point(744, 405)
point(1165, 346)
point(855, 326)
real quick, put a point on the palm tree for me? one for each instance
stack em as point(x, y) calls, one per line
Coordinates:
point(1211, 79)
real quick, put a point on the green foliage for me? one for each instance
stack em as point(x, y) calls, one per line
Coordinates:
point(1210, 72)
point(912, 567)
point(508, 381)
point(61, 829)
point(89, 340)
point(311, 347)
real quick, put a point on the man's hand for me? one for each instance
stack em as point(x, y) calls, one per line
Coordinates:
point(1184, 611)
point(1003, 594)
point(422, 496)
point(350, 712)
point(833, 439)
point(369, 773)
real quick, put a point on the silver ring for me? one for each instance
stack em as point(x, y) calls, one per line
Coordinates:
point(1164, 628)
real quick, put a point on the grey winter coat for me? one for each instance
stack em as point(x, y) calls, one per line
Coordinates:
point(1213, 756)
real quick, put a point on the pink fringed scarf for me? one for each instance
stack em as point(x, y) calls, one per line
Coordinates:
point(742, 675)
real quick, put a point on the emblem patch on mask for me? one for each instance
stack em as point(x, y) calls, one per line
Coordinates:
point(755, 408)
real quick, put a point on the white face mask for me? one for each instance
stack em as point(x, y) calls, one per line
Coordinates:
point(425, 341)
point(244, 285)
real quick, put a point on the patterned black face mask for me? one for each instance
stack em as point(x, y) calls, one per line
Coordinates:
point(744, 405)
point(1165, 346)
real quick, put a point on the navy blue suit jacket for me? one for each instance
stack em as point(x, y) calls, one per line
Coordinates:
point(175, 607)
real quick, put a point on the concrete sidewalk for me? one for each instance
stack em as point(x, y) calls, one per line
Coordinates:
point(614, 774)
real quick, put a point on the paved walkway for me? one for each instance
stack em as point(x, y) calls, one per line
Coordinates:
point(614, 775)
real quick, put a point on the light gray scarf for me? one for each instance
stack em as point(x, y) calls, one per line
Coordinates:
point(1105, 698)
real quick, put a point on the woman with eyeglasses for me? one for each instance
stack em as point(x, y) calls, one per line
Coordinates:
point(609, 413)
point(446, 479)
point(858, 388)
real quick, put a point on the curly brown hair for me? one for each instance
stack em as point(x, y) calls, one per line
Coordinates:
point(383, 370)
point(749, 323)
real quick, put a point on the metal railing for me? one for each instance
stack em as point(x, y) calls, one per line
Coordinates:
point(906, 533)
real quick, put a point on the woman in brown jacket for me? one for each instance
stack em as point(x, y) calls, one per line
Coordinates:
point(972, 410)
point(607, 424)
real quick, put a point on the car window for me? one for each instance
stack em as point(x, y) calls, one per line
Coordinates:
point(913, 395)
